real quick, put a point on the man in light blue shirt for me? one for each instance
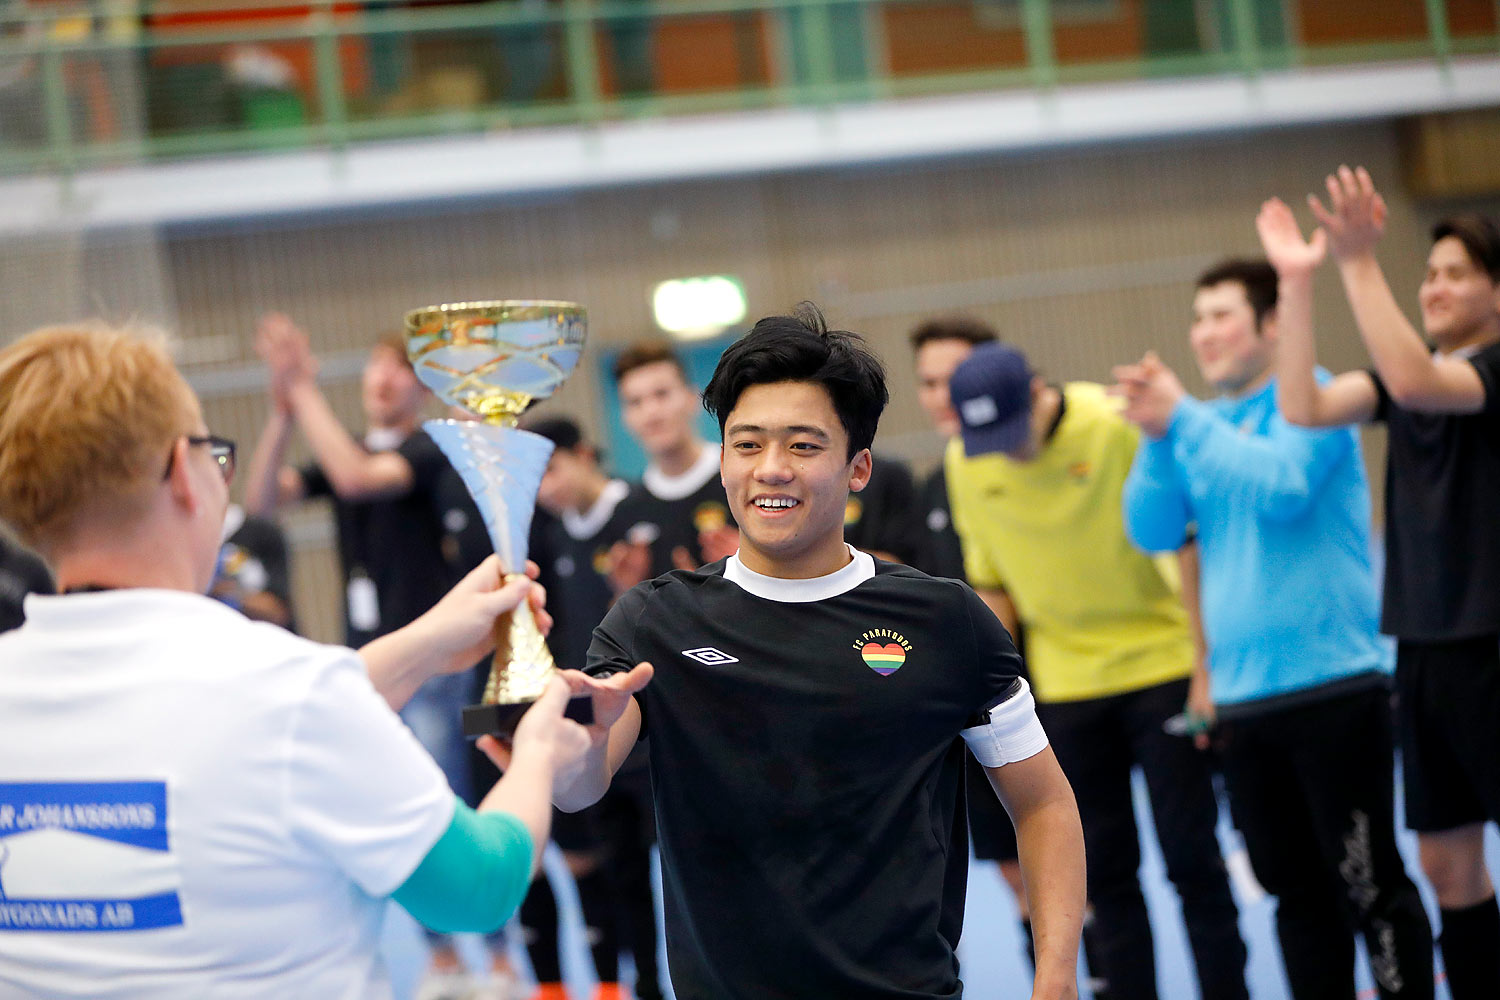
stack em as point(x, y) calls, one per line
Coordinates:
point(1296, 679)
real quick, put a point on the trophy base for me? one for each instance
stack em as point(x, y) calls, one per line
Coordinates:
point(501, 719)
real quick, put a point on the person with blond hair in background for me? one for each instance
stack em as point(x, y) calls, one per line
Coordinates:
point(193, 804)
point(1440, 401)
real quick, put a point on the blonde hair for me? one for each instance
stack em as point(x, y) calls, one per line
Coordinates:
point(88, 416)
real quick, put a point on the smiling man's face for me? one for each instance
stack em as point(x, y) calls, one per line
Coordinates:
point(787, 476)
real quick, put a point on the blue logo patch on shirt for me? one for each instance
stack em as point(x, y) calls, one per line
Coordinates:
point(86, 856)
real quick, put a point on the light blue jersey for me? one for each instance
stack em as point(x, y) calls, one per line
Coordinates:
point(1283, 521)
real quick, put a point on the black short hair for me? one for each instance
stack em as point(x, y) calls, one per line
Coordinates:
point(966, 328)
point(1480, 237)
point(801, 348)
point(1255, 275)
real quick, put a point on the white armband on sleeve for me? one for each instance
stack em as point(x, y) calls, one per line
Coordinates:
point(1013, 732)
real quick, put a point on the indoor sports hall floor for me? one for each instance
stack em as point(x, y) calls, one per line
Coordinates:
point(993, 965)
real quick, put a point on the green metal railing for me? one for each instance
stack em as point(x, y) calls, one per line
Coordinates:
point(63, 70)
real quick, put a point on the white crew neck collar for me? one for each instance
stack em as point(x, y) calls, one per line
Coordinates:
point(665, 487)
point(820, 588)
point(581, 527)
point(379, 439)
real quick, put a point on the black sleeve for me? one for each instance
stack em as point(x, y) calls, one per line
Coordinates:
point(997, 664)
point(314, 482)
point(1382, 398)
point(427, 461)
point(1487, 365)
point(612, 650)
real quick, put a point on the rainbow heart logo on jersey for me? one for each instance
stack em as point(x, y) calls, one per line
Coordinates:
point(883, 650)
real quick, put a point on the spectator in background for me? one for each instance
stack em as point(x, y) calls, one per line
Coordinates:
point(273, 800)
point(676, 517)
point(881, 519)
point(940, 346)
point(22, 572)
point(389, 504)
point(1035, 480)
point(1441, 406)
point(1296, 678)
point(254, 574)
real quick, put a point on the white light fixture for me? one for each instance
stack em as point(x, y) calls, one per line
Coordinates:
point(698, 308)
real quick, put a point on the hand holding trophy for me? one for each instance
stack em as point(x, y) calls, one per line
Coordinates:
point(493, 359)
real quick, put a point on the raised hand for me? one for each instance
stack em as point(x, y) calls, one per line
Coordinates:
point(1151, 392)
point(1281, 238)
point(284, 347)
point(1355, 220)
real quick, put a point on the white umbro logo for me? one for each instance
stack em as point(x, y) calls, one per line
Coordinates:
point(709, 656)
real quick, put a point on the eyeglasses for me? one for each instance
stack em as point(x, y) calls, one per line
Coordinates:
point(221, 448)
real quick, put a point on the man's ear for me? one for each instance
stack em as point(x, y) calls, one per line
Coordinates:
point(1270, 324)
point(180, 478)
point(860, 468)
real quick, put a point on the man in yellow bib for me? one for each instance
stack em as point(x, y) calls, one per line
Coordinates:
point(1035, 482)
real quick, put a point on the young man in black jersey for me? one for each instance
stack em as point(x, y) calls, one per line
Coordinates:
point(676, 516)
point(805, 712)
point(1441, 405)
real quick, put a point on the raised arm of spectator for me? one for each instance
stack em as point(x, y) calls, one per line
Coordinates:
point(269, 482)
point(1415, 378)
point(1157, 508)
point(352, 472)
point(1345, 399)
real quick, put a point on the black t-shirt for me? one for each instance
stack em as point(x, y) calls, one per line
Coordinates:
point(882, 516)
point(254, 561)
point(391, 550)
point(22, 572)
point(939, 552)
point(807, 769)
point(1442, 577)
point(571, 554)
point(673, 518)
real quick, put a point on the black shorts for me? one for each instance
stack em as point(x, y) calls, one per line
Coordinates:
point(993, 834)
point(1448, 708)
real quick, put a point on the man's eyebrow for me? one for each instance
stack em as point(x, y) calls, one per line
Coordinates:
point(807, 429)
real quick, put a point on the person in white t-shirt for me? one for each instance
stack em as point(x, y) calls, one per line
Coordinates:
point(193, 804)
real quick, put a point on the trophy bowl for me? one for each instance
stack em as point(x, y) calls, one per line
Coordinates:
point(493, 359)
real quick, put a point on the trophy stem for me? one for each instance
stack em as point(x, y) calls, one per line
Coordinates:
point(522, 665)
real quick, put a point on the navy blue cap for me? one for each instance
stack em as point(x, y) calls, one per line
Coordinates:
point(991, 392)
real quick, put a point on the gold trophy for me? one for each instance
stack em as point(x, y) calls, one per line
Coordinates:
point(493, 359)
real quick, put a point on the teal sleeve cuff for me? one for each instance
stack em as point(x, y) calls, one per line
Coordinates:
point(475, 876)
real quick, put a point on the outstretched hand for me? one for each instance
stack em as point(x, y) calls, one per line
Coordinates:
point(609, 695)
point(1355, 220)
point(1281, 238)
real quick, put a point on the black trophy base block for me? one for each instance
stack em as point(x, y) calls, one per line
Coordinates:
point(500, 720)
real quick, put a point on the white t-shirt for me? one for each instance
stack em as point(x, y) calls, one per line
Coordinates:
point(195, 805)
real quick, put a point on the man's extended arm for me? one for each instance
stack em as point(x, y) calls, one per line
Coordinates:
point(1346, 399)
point(1049, 839)
point(1415, 378)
